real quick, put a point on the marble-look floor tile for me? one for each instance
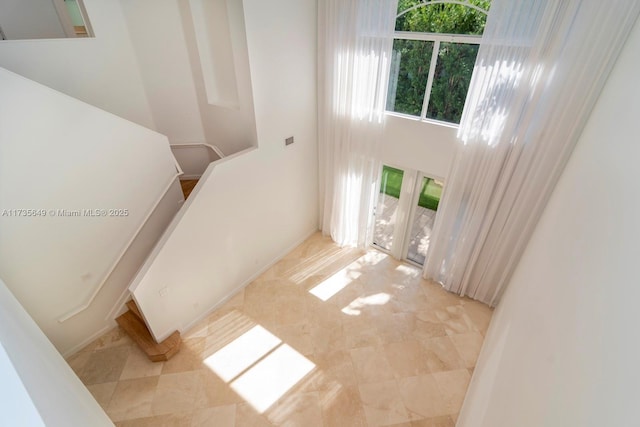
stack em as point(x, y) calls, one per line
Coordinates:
point(334, 367)
point(342, 407)
point(297, 335)
point(421, 397)
point(453, 387)
point(248, 416)
point(380, 346)
point(169, 420)
point(382, 403)
point(357, 336)
point(480, 314)
point(468, 346)
point(212, 391)
point(297, 409)
point(407, 359)
point(445, 421)
point(132, 399)
point(427, 325)
point(189, 358)
point(138, 365)
point(103, 392)
point(176, 392)
point(105, 365)
point(78, 361)
point(219, 416)
point(327, 337)
point(371, 365)
point(456, 320)
point(116, 337)
point(441, 355)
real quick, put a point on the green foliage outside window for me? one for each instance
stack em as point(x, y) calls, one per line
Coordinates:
point(442, 18)
point(412, 58)
point(391, 183)
point(451, 81)
point(455, 61)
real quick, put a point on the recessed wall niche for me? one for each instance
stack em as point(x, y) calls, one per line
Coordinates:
point(215, 49)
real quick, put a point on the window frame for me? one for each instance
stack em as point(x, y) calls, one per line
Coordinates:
point(437, 39)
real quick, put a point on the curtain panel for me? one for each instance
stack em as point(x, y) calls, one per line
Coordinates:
point(538, 74)
point(355, 39)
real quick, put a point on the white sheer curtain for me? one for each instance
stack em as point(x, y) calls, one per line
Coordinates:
point(355, 39)
point(539, 71)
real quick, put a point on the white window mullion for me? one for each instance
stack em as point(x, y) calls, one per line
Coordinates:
point(453, 38)
point(432, 72)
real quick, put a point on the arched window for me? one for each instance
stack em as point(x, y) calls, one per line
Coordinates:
point(434, 51)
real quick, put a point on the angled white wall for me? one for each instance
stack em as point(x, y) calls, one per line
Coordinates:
point(250, 209)
point(562, 349)
point(143, 65)
point(193, 61)
point(160, 48)
point(38, 387)
point(33, 19)
point(101, 70)
point(66, 159)
point(231, 125)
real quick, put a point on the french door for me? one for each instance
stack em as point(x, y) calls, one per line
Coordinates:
point(405, 213)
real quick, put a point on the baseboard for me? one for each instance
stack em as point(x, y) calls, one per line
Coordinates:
point(76, 348)
point(240, 287)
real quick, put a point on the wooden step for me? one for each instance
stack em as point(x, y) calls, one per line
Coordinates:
point(131, 305)
point(137, 330)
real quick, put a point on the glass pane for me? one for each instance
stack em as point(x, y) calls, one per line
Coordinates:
point(408, 76)
point(387, 207)
point(442, 18)
point(451, 81)
point(76, 18)
point(423, 219)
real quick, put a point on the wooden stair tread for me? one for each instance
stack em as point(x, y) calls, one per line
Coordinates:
point(137, 330)
point(131, 305)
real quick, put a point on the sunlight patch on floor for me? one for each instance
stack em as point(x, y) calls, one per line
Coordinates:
point(355, 307)
point(272, 377)
point(408, 270)
point(259, 367)
point(240, 354)
point(334, 284)
point(226, 329)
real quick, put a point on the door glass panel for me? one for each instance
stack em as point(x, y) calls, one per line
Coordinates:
point(387, 207)
point(425, 214)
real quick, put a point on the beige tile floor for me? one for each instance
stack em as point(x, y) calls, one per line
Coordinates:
point(326, 337)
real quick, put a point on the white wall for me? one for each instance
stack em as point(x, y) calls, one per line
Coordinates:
point(160, 47)
point(193, 159)
point(57, 153)
point(250, 209)
point(171, 67)
point(232, 129)
point(143, 65)
point(419, 145)
point(101, 71)
point(562, 349)
point(29, 19)
point(38, 386)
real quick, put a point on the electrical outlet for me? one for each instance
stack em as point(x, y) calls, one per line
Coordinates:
point(288, 141)
point(164, 291)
